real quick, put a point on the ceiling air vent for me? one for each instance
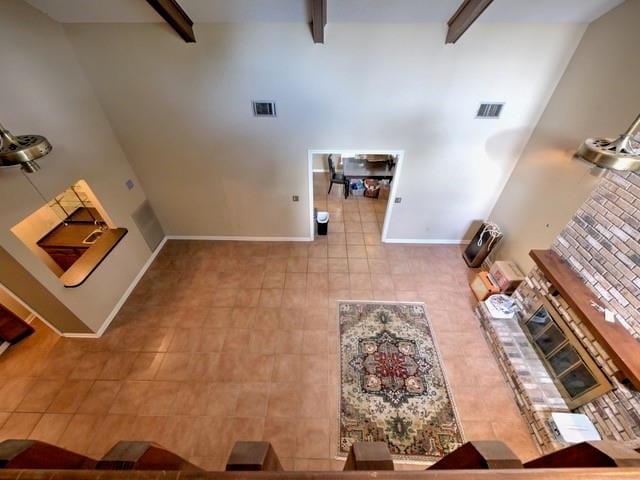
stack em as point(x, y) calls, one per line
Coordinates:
point(489, 110)
point(264, 109)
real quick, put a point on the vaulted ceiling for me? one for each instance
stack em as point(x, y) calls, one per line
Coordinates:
point(374, 11)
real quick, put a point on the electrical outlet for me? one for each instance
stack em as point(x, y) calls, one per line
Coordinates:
point(296, 198)
point(129, 183)
point(398, 200)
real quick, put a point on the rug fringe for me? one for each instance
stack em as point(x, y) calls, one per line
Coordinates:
point(401, 461)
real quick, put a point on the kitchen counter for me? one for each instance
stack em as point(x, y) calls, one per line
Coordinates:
point(70, 235)
point(95, 254)
point(64, 244)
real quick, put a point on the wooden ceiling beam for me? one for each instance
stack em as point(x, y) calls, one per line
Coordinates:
point(176, 17)
point(464, 17)
point(318, 19)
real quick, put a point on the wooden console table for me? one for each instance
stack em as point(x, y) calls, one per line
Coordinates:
point(623, 348)
point(12, 328)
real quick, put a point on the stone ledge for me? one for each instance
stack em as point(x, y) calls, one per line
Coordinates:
point(535, 393)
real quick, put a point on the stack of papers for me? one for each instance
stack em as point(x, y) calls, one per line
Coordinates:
point(500, 306)
point(575, 427)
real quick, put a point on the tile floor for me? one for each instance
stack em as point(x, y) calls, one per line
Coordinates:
point(225, 341)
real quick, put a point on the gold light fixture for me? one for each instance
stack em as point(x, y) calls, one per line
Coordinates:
point(621, 154)
point(22, 150)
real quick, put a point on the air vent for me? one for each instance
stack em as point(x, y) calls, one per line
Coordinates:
point(264, 109)
point(489, 110)
point(149, 226)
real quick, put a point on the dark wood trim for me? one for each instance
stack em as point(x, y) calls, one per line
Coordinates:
point(253, 456)
point(464, 17)
point(589, 455)
point(623, 348)
point(518, 474)
point(369, 456)
point(479, 455)
point(176, 17)
point(33, 454)
point(92, 258)
point(318, 19)
point(13, 328)
point(143, 456)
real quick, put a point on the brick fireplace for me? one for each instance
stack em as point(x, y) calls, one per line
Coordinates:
point(600, 245)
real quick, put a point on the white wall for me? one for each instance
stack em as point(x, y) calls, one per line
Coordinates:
point(597, 97)
point(183, 115)
point(43, 90)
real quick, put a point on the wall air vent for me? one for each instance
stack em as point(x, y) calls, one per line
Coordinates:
point(489, 110)
point(264, 109)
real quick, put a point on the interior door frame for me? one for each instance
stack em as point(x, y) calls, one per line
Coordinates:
point(355, 151)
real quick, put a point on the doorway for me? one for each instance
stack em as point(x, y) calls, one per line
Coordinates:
point(371, 200)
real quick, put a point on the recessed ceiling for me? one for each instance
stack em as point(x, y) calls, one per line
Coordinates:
point(380, 11)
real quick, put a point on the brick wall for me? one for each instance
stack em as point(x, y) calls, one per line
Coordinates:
point(601, 243)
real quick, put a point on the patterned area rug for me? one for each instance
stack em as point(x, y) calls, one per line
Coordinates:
point(392, 384)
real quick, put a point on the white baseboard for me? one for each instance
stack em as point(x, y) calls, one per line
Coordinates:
point(319, 170)
point(31, 317)
point(239, 238)
point(81, 335)
point(422, 241)
point(123, 299)
point(4, 346)
point(153, 256)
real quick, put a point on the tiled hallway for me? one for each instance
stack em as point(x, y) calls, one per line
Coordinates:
point(226, 341)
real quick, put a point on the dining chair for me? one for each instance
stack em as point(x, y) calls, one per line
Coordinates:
point(337, 177)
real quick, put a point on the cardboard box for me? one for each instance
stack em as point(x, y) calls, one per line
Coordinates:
point(482, 286)
point(507, 275)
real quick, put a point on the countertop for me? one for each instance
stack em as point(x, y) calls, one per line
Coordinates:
point(72, 234)
point(89, 261)
point(68, 236)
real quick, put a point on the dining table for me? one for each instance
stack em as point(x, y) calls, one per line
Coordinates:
point(360, 169)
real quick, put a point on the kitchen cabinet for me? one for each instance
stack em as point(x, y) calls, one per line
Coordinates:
point(12, 328)
point(65, 257)
point(65, 243)
point(80, 244)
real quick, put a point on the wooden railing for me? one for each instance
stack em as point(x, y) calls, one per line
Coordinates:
point(31, 460)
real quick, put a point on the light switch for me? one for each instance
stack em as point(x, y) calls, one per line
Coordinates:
point(296, 198)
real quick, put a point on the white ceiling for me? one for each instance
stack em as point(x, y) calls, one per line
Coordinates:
point(382, 11)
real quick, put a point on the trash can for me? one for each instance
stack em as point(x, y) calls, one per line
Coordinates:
point(322, 219)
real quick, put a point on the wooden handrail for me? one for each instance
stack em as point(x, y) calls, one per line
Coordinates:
point(253, 456)
point(31, 460)
point(143, 456)
point(41, 455)
point(479, 455)
point(589, 454)
point(516, 474)
point(369, 456)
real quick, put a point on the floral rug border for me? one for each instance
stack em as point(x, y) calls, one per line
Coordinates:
point(403, 459)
